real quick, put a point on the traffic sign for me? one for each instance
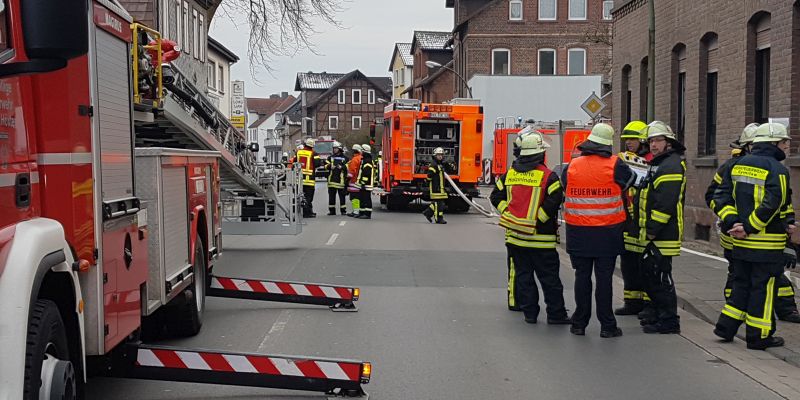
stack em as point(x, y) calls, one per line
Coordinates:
point(593, 106)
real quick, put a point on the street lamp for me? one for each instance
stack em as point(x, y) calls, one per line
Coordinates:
point(434, 64)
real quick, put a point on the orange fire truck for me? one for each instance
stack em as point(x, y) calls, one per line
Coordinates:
point(107, 236)
point(412, 130)
point(563, 139)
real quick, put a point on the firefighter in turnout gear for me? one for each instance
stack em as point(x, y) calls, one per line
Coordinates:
point(528, 197)
point(336, 166)
point(309, 161)
point(658, 208)
point(436, 184)
point(513, 303)
point(753, 202)
point(637, 156)
point(366, 182)
point(595, 215)
point(785, 304)
point(353, 169)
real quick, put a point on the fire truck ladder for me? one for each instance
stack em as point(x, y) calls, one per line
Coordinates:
point(165, 363)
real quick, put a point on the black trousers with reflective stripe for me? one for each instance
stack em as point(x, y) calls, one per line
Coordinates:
point(632, 278)
point(308, 199)
point(603, 268)
point(752, 299)
point(342, 193)
point(660, 287)
point(785, 303)
point(513, 303)
point(435, 210)
point(365, 197)
point(544, 265)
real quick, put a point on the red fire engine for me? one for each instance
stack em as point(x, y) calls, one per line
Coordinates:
point(412, 130)
point(105, 238)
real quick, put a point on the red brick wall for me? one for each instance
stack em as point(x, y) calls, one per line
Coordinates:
point(687, 22)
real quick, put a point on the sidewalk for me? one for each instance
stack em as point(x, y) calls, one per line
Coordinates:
point(699, 282)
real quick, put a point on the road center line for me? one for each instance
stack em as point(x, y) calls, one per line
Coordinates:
point(332, 240)
point(342, 223)
point(277, 328)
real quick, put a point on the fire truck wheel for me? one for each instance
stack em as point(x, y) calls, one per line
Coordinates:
point(49, 373)
point(395, 202)
point(188, 316)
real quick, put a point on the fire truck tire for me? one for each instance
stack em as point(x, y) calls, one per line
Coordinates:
point(457, 205)
point(396, 203)
point(49, 372)
point(188, 316)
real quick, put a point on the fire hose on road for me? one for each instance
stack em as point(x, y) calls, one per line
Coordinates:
point(488, 213)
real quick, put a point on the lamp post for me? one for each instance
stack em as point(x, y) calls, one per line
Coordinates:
point(434, 64)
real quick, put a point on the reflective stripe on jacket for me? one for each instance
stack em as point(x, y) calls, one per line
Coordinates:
point(592, 196)
point(436, 182)
point(306, 159)
point(520, 200)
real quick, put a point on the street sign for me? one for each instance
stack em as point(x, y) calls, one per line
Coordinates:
point(238, 111)
point(593, 106)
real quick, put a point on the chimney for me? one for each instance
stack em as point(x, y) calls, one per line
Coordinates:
point(273, 96)
point(284, 95)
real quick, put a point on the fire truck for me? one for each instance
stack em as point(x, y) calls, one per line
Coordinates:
point(117, 179)
point(412, 130)
point(563, 138)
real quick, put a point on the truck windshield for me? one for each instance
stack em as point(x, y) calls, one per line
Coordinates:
point(323, 147)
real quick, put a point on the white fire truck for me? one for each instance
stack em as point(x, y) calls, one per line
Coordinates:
point(112, 210)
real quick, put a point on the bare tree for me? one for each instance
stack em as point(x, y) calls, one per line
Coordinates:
point(601, 33)
point(280, 27)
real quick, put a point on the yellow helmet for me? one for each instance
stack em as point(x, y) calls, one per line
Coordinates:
point(771, 132)
point(635, 130)
point(602, 134)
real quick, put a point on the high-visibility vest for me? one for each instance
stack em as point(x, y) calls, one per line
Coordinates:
point(592, 197)
point(306, 160)
point(526, 191)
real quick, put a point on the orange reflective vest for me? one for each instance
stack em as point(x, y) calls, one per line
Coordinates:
point(592, 197)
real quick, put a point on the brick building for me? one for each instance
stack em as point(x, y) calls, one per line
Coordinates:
point(719, 66)
point(526, 37)
point(431, 85)
point(341, 105)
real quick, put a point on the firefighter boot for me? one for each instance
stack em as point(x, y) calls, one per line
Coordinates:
point(630, 308)
point(773, 341)
point(441, 220)
point(428, 213)
point(343, 210)
point(793, 317)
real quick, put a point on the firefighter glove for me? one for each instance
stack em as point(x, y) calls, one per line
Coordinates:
point(790, 257)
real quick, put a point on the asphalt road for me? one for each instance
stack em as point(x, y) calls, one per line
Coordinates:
point(433, 321)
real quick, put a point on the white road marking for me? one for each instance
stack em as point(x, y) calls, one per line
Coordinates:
point(277, 328)
point(332, 240)
point(697, 253)
point(342, 223)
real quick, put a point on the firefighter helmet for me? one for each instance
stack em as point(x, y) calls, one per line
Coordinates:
point(310, 142)
point(635, 130)
point(357, 147)
point(658, 128)
point(366, 148)
point(337, 145)
point(748, 134)
point(602, 134)
point(437, 151)
point(533, 143)
point(771, 132)
point(286, 154)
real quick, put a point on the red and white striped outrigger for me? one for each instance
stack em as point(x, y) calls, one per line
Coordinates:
point(333, 377)
point(338, 298)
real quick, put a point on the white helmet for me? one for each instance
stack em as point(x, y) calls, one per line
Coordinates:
point(602, 134)
point(438, 151)
point(286, 154)
point(532, 143)
point(310, 142)
point(380, 153)
point(366, 148)
point(300, 146)
point(357, 147)
point(337, 145)
point(658, 128)
point(771, 132)
point(748, 134)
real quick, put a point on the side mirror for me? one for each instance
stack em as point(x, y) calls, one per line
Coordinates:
point(253, 147)
point(52, 35)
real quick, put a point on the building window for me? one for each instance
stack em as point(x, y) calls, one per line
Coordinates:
point(547, 10)
point(577, 10)
point(202, 40)
point(278, 116)
point(576, 62)
point(626, 94)
point(371, 96)
point(333, 123)
point(396, 77)
point(678, 105)
point(195, 35)
point(356, 123)
point(186, 28)
point(356, 96)
point(762, 86)
point(644, 78)
point(341, 97)
point(711, 114)
point(515, 10)
point(220, 79)
point(501, 62)
point(179, 25)
point(758, 72)
point(212, 75)
point(547, 62)
point(608, 5)
point(680, 118)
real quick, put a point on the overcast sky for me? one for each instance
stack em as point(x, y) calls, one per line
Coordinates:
point(371, 27)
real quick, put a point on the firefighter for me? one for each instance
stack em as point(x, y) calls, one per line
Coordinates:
point(336, 165)
point(636, 155)
point(309, 161)
point(513, 303)
point(530, 218)
point(658, 206)
point(353, 169)
point(785, 305)
point(595, 215)
point(749, 201)
point(437, 184)
point(366, 182)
